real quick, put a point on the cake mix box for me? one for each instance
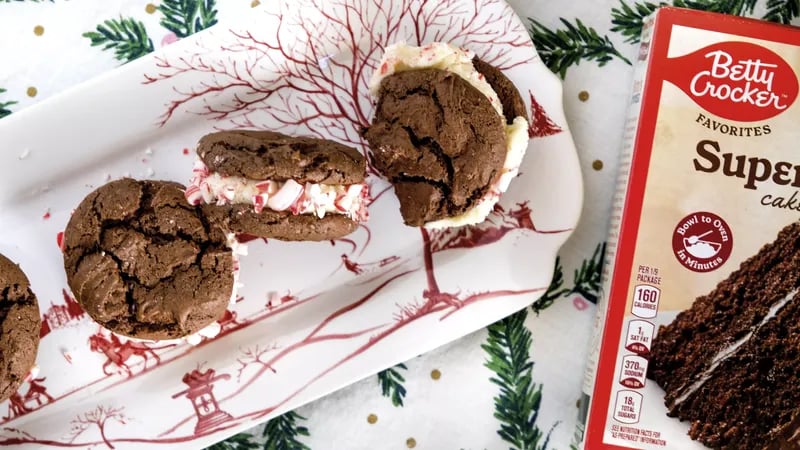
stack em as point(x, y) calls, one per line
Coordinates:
point(698, 330)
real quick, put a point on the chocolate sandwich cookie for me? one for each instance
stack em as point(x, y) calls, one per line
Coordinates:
point(268, 184)
point(438, 140)
point(449, 132)
point(144, 264)
point(19, 327)
point(510, 98)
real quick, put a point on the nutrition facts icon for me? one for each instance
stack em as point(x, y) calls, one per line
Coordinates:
point(634, 372)
point(639, 337)
point(645, 301)
point(628, 407)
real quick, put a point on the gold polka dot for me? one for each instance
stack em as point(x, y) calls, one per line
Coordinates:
point(583, 96)
point(411, 442)
point(150, 8)
point(435, 374)
point(254, 3)
point(38, 30)
point(372, 418)
point(597, 165)
point(32, 91)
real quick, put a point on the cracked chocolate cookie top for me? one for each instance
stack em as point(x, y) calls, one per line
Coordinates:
point(268, 155)
point(19, 327)
point(145, 264)
point(438, 140)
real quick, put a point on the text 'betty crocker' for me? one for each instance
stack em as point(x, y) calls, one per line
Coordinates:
point(699, 323)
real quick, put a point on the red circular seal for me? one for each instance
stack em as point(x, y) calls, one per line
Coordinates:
point(702, 242)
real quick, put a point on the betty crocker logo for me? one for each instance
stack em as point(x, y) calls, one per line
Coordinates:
point(735, 80)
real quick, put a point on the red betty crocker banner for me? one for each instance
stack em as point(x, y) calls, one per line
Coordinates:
point(735, 80)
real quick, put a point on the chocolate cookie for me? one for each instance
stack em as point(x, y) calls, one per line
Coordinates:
point(513, 105)
point(144, 264)
point(268, 184)
point(19, 327)
point(438, 140)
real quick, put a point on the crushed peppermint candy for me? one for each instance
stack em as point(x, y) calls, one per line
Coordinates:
point(32, 374)
point(67, 355)
point(309, 198)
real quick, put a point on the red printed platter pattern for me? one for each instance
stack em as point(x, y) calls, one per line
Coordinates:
point(311, 317)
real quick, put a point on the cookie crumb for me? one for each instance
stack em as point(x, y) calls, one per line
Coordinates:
point(25, 153)
point(148, 151)
point(126, 174)
point(150, 172)
point(107, 177)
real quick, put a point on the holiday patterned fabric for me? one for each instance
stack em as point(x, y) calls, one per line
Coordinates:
point(513, 385)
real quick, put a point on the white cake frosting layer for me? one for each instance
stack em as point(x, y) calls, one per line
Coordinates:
point(733, 348)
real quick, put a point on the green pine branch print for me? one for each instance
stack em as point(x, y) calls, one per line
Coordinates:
point(555, 291)
point(517, 405)
point(563, 48)
point(588, 276)
point(126, 36)
point(782, 11)
point(281, 433)
point(241, 441)
point(391, 381)
point(586, 281)
point(628, 20)
point(186, 17)
point(4, 111)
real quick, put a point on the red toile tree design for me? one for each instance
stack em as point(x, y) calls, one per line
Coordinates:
point(100, 417)
point(309, 73)
point(541, 124)
point(252, 357)
point(500, 222)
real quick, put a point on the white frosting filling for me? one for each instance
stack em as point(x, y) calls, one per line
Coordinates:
point(311, 198)
point(438, 55)
point(401, 57)
point(733, 348)
point(209, 332)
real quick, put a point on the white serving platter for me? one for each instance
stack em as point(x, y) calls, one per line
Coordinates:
point(312, 317)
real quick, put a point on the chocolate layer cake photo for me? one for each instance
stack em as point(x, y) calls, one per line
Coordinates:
point(730, 365)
